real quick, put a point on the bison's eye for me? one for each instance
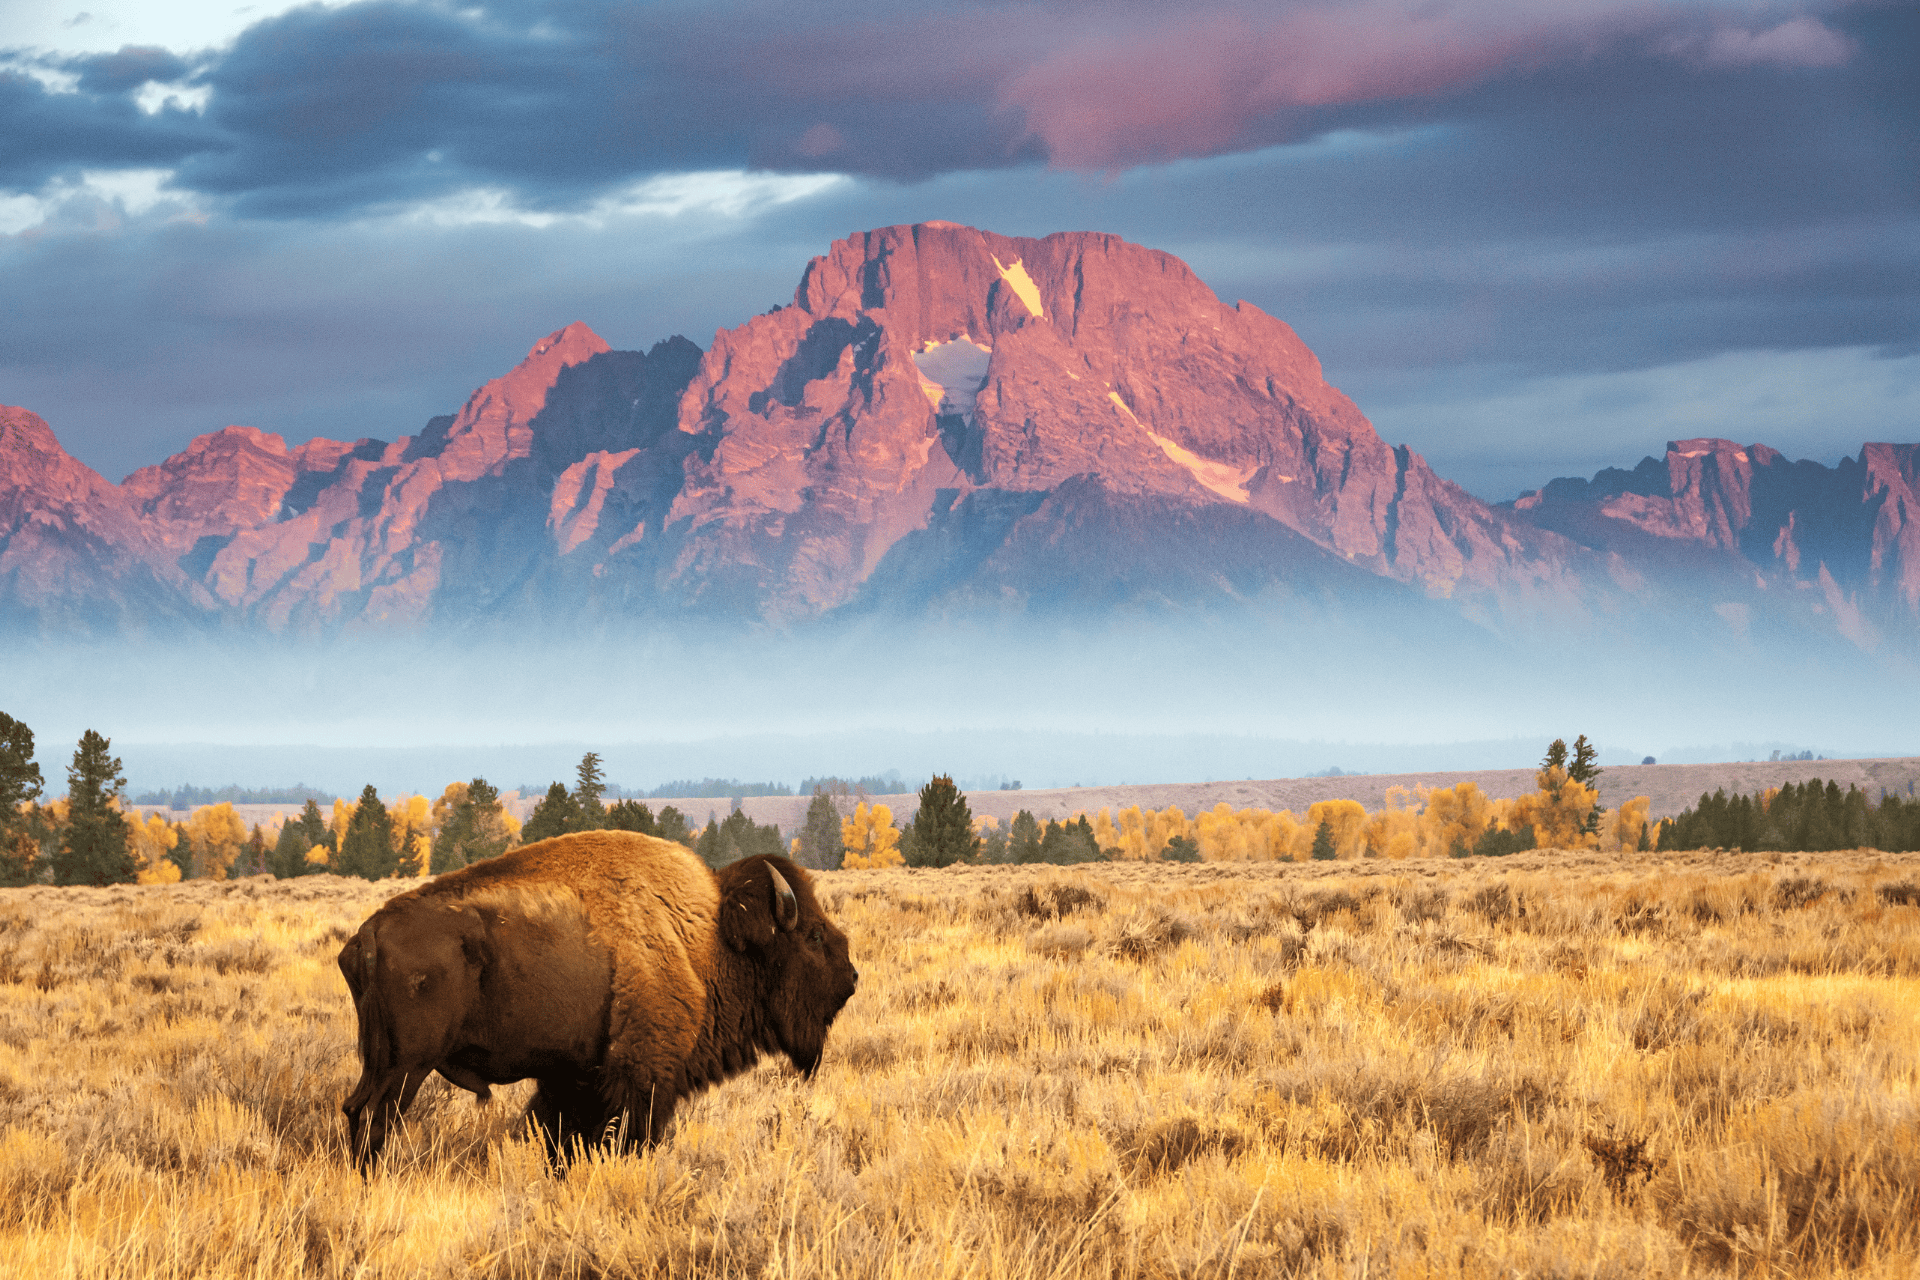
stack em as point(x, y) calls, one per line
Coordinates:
point(815, 936)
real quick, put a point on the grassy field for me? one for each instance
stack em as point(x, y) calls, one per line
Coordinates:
point(1548, 1065)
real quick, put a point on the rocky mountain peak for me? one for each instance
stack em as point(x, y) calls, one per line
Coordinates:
point(226, 480)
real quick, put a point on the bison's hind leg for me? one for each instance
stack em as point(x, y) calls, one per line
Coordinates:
point(570, 1113)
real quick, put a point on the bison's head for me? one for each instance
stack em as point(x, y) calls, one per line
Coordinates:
point(768, 913)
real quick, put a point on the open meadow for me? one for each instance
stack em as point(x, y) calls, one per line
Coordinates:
point(1553, 1064)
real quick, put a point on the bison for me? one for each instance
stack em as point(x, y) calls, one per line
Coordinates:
point(616, 969)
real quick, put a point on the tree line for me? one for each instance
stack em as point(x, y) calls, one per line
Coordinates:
point(1809, 817)
point(89, 837)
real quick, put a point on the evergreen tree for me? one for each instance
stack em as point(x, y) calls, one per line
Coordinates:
point(1583, 770)
point(1323, 849)
point(941, 833)
point(475, 827)
point(673, 826)
point(289, 856)
point(1067, 843)
point(20, 785)
point(556, 815)
point(181, 855)
point(1586, 772)
point(589, 813)
point(1556, 755)
point(821, 845)
point(20, 781)
point(631, 815)
point(368, 848)
point(994, 845)
point(253, 859)
point(94, 848)
point(715, 847)
point(1181, 849)
point(1023, 838)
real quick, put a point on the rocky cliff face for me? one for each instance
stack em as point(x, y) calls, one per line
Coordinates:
point(936, 383)
point(1841, 541)
point(74, 557)
point(943, 422)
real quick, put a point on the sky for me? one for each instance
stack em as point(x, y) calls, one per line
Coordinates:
point(1530, 239)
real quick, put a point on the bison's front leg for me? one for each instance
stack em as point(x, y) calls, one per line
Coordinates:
point(570, 1113)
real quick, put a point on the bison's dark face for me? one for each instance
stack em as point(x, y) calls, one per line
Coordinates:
point(810, 975)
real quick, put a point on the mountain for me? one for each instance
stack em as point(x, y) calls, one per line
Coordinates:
point(944, 418)
point(74, 556)
point(1842, 541)
point(943, 424)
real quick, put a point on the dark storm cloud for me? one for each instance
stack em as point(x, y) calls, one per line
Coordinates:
point(45, 135)
point(323, 110)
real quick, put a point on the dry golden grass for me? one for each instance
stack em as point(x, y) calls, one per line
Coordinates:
point(1555, 1065)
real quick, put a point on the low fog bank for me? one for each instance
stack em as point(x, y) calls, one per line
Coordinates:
point(1165, 699)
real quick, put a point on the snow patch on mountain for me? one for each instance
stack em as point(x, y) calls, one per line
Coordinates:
point(1229, 482)
point(952, 373)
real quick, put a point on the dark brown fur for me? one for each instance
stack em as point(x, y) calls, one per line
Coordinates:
point(614, 968)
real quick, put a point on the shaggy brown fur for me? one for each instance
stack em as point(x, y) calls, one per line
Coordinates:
point(614, 968)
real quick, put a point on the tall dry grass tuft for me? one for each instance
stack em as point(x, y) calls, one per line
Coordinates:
point(1561, 1064)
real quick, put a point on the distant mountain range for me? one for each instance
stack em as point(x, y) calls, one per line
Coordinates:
point(944, 423)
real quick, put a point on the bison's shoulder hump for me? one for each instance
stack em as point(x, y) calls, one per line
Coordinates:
point(583, 860)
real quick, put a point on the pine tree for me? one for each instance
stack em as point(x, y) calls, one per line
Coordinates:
point(475, 827)
point(20, 780)
point(673, 826)
point(1556, 755)
point(821, 845)
point(1183, 849)
point(289, 856)
point(20, 784)
point(556, 815)
point(715, 846)
point(94, 849)
point(1583, 770)
point(941, 833)
point(1023, 838)
point(1323, 846)
point(589, 813)
point(181, 855)
point(368, 849)
point(1586, 772)
point(631, 815)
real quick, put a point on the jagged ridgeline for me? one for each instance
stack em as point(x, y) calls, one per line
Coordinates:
point(943, 423)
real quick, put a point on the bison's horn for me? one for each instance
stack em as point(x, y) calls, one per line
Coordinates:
point(786, 907)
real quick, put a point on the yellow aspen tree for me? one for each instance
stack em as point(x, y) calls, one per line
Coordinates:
point(218, 836)
point(1630, 821)
point(1164, 825)
point(319, 856)
point(1392, 833)
point(413, 829)
point(1346, 818)
point(1105, 834)
point(149, 842)
point(871, 839)
point(452, 798)
point(1454, 817)
point(342, 815)
point(1558, 811)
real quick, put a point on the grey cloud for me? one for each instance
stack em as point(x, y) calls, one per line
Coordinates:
point(128, 69)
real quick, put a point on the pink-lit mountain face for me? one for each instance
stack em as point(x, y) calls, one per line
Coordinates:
point(944, 422)
point(1841, 542)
